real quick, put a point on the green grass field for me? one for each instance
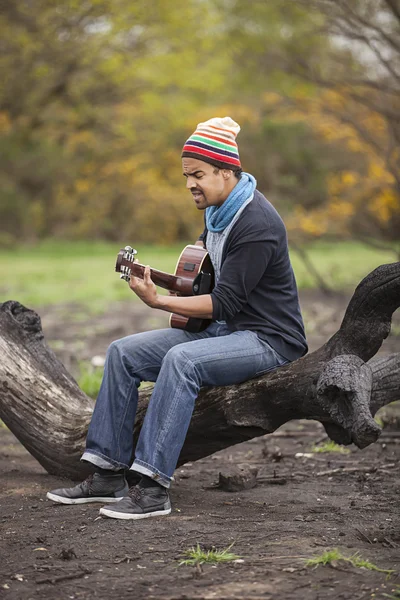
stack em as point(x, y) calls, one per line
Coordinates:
point(83, 272)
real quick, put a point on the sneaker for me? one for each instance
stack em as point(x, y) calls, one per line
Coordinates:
point(95, 488)
point(141, 502)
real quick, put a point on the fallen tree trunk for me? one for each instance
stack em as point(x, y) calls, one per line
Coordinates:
point(338, 385)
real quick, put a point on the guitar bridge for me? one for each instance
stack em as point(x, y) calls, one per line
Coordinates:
point(202, 284)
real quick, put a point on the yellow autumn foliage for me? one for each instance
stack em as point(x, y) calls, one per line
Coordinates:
point(366, 195)
point(98, 99)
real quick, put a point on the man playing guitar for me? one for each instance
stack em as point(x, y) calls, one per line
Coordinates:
point(256, 326)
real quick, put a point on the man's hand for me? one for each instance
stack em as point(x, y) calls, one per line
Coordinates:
point(145, 288)
point(199, 307)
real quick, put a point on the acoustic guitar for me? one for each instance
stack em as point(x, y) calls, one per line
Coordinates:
point(194, 275)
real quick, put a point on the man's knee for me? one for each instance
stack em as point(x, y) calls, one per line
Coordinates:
point(114, 349)
point(178, 361)
point(178, 357)
point(118, 352)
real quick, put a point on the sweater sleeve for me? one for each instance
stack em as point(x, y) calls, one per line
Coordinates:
point(242, 269)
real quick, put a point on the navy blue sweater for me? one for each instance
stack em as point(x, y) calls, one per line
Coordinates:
point(257, 288)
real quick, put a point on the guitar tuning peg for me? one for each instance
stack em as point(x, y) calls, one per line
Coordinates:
point(130, 250)
point(125, 277)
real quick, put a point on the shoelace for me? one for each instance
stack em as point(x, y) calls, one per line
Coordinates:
point(86, 483)
point(135, 492)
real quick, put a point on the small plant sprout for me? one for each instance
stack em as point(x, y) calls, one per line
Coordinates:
point(329, 446)
point(199, 556)
point(330, 557)
point(361, 563)
point(395, 595)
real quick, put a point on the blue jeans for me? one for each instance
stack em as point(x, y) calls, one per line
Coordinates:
point(180, 363)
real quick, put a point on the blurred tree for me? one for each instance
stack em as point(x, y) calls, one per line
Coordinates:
point(96, 96)
point(363, 198)
point(99, 96)
point(358, 105)
point(337, 67)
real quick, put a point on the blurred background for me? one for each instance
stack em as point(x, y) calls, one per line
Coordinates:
point(98, 96)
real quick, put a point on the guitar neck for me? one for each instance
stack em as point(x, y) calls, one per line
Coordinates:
point(166, 281)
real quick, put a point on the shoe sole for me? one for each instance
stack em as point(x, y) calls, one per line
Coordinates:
point(119, 515)
point(62, 500)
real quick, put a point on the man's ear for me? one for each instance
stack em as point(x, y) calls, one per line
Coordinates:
point(226, 173)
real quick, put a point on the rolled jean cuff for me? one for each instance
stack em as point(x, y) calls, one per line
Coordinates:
point(145, 469)
point(104, 462)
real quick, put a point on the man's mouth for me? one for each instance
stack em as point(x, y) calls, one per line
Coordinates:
point(196, 195)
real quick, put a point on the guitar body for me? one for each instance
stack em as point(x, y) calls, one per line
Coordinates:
point(194, 275)
point(195, 260)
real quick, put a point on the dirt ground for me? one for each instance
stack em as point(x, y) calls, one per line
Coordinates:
point(68, 552)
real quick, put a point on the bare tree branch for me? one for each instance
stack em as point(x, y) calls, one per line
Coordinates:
point(358, 19)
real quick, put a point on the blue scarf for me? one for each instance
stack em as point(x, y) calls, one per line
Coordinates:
point(217, 218)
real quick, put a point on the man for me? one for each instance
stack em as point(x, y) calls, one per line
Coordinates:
point(256, 326)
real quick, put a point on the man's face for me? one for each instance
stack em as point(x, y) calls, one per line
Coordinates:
point(209, 186)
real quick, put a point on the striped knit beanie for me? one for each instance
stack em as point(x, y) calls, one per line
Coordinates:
point(214, 142)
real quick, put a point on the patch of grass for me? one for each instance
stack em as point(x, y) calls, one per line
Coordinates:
point(329, 446)
point(329, 259)
point(60, 272)
point(330, 557)
point(326, 558)
point(199, 556)
point(90, 379)
point(82, 273)
point(361, 563)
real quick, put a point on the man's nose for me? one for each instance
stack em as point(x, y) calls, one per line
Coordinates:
point(190, 183)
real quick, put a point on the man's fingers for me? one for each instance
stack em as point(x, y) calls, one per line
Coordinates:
point(147, 276)
point(136, 282)
point(133, 282)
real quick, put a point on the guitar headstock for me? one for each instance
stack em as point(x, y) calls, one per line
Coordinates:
point(125, 258)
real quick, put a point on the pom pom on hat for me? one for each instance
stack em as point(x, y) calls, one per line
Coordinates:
point(214, 142)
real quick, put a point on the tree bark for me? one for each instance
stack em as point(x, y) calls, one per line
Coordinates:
point(338, 385)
